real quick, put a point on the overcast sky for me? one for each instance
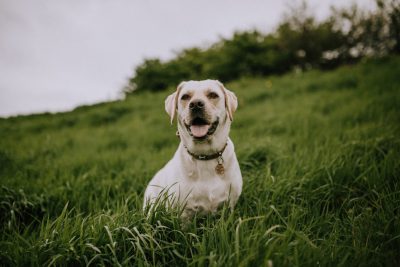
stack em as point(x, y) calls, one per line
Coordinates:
point(58, 54)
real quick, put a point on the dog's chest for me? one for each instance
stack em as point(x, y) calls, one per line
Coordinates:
point(207, 194)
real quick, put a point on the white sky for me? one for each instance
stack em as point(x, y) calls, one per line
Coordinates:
point(58, 54)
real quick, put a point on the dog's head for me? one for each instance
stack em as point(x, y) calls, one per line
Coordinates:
point(204, 110)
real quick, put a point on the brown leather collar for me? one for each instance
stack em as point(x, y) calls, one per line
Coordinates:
point(207, 157)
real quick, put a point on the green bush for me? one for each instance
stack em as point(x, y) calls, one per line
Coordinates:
point(299, 42)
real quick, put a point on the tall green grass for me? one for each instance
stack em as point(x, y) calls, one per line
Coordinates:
point(319, 153)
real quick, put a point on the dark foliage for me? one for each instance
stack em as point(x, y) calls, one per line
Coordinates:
point(299, 42)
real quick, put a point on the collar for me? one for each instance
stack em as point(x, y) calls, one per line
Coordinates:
point(207, 157)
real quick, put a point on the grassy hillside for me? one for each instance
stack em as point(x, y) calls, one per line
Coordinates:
point(319, 152)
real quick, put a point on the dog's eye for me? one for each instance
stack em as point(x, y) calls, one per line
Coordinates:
point(185, 97)
point(212, 95)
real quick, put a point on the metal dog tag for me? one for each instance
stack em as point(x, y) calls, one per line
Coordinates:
point(219, 169)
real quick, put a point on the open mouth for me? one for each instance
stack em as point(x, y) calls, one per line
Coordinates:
point(200, 128)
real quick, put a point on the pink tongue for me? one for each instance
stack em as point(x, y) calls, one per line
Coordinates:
point(199, 130)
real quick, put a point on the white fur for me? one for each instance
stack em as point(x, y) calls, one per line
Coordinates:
point(191, 182)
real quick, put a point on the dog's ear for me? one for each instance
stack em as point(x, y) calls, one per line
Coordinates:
point(231, 102)
point(171, 103)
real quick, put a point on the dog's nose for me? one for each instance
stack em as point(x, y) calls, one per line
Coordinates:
point(196, 104)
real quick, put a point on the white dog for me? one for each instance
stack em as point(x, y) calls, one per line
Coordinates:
point(204, 172)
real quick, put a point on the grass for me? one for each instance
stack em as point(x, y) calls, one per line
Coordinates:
point(319, 153)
